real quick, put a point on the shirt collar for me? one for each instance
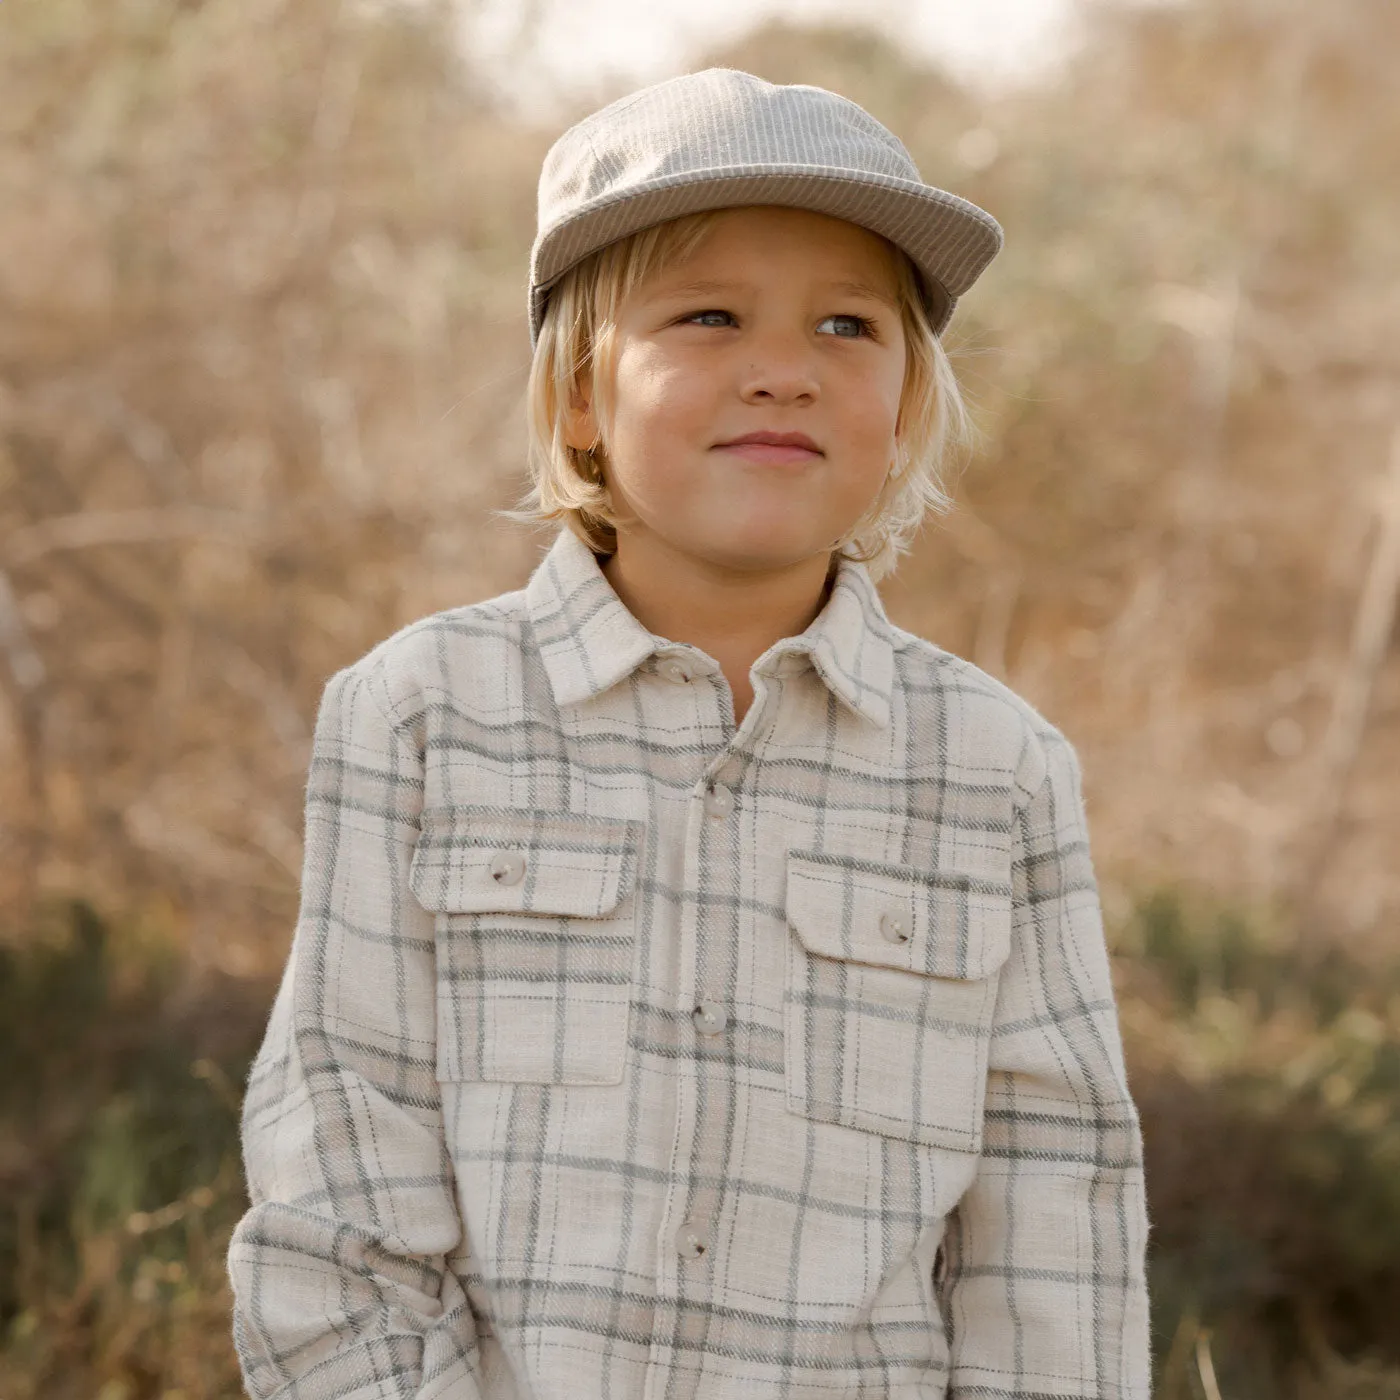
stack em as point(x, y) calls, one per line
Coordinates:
point(589, 640)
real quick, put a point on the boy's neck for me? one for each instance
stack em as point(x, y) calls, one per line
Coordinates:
point(733, 616)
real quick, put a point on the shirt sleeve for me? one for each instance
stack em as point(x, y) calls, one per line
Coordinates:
point(1042, 1280)
point(340, 1283)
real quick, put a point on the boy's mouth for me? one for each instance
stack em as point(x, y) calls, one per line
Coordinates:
point(773, 447)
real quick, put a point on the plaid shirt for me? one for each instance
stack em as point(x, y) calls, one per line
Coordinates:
point(626, 1054)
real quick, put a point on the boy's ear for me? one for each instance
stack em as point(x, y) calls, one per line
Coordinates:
point(580, 428)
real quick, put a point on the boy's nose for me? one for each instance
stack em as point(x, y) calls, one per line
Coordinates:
point(780, 378)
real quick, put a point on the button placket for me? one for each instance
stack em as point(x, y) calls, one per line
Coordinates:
point(700, 1132)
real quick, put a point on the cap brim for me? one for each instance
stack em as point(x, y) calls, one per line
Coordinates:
point(949, 239)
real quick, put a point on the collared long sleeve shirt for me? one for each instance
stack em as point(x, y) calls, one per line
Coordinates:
point(626, 1053)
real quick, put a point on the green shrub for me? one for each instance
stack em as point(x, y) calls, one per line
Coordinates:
point(1268, 1075)
point(123, 1179)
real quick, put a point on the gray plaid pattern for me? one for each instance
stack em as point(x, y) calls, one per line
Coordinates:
point(484, 1119)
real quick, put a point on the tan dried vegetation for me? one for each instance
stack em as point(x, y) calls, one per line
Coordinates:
point(262, 359)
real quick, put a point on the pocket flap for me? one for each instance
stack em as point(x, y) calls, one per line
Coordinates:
point(940, 923)
point(486, 860)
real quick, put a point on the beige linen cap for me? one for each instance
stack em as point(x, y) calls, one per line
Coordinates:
point(723, 137)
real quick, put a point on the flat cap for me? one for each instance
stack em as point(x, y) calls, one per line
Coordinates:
point(724, 137)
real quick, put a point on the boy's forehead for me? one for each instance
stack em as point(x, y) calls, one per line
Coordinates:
point(829, 253)
point(680, 285)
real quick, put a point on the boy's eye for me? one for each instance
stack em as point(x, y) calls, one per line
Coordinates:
point(861, 325)
point(698, 315)
point(854, 326)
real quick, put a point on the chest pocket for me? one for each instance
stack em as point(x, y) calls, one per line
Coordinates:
point(536, 938)
point(891, 986)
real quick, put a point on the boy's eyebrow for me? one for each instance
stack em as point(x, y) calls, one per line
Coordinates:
point(850, 285)
point(864, 289)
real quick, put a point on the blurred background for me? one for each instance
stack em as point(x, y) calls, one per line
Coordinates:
point(263, 355)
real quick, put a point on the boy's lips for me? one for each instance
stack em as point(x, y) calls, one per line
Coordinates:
point(773, 447)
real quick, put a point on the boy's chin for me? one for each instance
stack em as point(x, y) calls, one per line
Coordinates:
point(761, 551)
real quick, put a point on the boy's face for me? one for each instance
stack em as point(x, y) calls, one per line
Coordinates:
point(783, 321)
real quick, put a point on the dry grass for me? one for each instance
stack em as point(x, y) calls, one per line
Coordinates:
point(120, 1170)
point(262, 357)
point(1267, 1077)
point(261, 368)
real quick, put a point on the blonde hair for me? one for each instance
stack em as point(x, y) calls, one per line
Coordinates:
point(578, 335)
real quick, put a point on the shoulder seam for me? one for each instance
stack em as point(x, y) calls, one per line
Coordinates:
point(1035, 729)
point(375, 664)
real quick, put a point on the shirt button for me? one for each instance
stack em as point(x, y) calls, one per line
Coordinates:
point(672, 668)
point(691, 1240)
point(894, 929)
point(507, 867)
point(719, 801)
point(710, 1018)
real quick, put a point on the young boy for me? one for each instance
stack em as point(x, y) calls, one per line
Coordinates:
point(700, 988)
